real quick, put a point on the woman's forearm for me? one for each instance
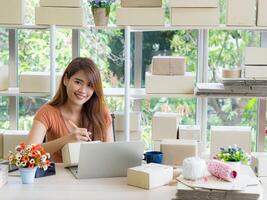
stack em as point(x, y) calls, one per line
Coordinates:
point(55, 145)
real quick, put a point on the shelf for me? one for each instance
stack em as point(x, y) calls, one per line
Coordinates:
point(17, 93)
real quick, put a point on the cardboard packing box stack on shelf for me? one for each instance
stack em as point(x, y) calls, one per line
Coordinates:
point(241, 13)
point(12, 12)
point(262, 13)
point(140, 13)
point(194, 12)
point(225, 136)
point(4, 79)
point(60, 12)
point(258, 163)
point(37, 81)
point(255, 62)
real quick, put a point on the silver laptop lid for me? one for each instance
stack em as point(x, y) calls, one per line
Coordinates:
point(103, 160)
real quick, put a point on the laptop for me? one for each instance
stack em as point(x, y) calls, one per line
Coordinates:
point(104, 160)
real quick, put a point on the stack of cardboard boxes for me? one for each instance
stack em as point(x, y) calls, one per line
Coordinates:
point(168, 76)
point(12, 12)
point(194, 12)
point(140, 12)
point(255, 62)
point(60, 12)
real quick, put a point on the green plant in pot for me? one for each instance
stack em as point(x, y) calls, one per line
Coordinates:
point(100, 10)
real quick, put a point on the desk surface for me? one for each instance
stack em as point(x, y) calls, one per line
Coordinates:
point(63, 186)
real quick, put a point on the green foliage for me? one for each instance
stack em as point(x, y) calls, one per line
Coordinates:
point(233, 154)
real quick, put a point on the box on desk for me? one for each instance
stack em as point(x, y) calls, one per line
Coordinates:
point(59, 16)
point(135, 121)
point(4, 79)
point(259, 163)
point(61, 3)
point(12, 12)
point(70, 154)
point(164, 125)
point(194, 12)
point(256, 71)
point(141, 3)
point(168, 65)
point(149, 176)
point(11, 138)
point(262, 13)
point(37, 81)
point(175, 151)
point(134, 135)
point(255, 56)
point(241, 13)
point(225, 136)
point(140, 16)
point(164, 84)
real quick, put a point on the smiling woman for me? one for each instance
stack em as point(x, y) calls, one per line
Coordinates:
point(78, 111)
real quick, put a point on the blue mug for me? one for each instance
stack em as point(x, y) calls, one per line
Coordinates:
point(153, 157)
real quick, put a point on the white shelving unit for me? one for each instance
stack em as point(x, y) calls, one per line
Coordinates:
point(127, 92)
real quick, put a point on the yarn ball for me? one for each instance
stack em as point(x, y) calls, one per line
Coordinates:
point(194, 168)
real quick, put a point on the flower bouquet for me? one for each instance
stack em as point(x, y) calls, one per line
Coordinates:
point(28, 158)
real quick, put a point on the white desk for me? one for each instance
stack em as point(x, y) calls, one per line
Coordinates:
point(63, 186)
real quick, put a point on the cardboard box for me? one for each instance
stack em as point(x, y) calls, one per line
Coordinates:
point(4, 79)
point(225, 136)
point(168, 65)
point(134, 136)
point(12, 12)
point(189, 132)
point(140, 16)
point(141, 3)
point(195, 16)
point(11, 138)
point(262, 13)
point(70, 154)
point(259, 163)
point(149, 176)
point(37, 81)
point(1, 145)
point(175, 151)
point(255, 56)
point(59, 16)
point(164, 125)
point(135, 121)
point(256, 71)
point(61, 3)
point(194, 3)
point(241, 13)
point(169, 84)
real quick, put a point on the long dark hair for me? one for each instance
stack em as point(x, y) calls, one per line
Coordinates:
point(94, 111)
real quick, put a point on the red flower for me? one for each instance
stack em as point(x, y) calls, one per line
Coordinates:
point(265, 131)
point(26, 158)
point(31, 165)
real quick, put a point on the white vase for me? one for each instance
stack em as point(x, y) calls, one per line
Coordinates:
point(236, 165)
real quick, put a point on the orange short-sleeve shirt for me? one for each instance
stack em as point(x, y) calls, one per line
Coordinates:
point(53, 120)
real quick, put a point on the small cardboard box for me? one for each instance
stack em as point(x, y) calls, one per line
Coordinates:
point(168, 65)
point(225, 136)
point(256, 71)
point(175, 151)
point(255, 56)
point(194, 3)
point(59, 16)
point(149, 176)
point(164, 125)
point(134, 136)
point(141, 3)
point(61, 3)
point(140, 16)
point(189, 132)
point(11, 138)
point(241, 13)
point(70, 154)
point(259, 163)
point(37, 81)
point(177, 84)
point(135, 121)
point(12, 12)
point(4, 79)
point(195, 16)
point(262, 13)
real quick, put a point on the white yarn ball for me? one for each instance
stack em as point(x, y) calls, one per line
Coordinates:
point(194, 168)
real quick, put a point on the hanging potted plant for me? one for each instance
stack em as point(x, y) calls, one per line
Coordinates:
point(100, 10)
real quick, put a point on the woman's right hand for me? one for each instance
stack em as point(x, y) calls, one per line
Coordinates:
point(79, 134)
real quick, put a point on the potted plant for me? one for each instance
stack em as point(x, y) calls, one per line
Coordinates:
point(28, 158)
point(233, 156)
point(100, 11)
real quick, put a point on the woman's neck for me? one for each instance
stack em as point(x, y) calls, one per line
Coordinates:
point(71, 108)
